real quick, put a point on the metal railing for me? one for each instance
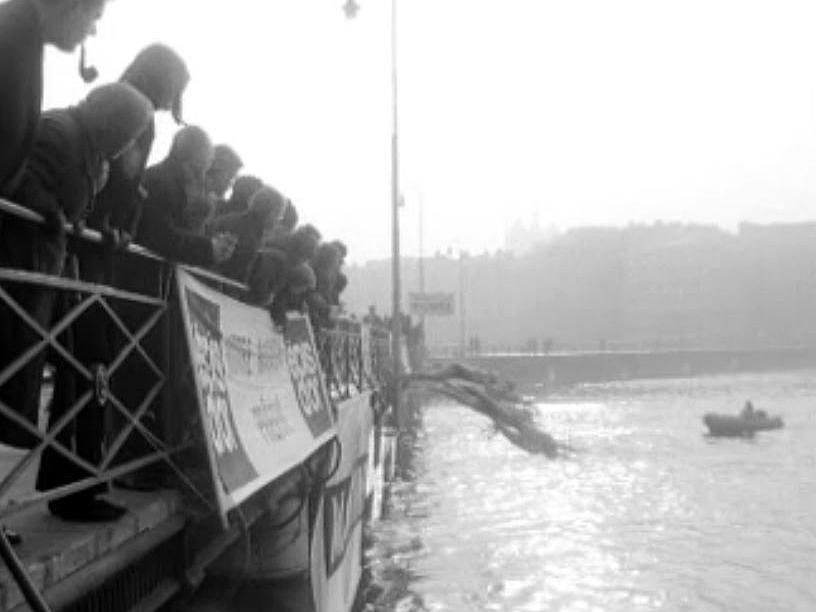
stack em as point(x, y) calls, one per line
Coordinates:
point(138, 373)
point(112, 355)
point(96, 339)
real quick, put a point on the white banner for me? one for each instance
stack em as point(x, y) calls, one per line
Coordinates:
point(261, 396)
point(337, 541)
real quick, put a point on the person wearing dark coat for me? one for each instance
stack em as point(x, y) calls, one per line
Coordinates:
point(243, 189)
point(64, 172)
point(67, 168)
point(170, 186)
point(160, 74)
point(326, 264)
point(26, 26)
point(342, 249)
point(267, 275)
point(285, 227)
point(300, 280)
point(202, 209)
point(223, 170)
point(339, 286)
point(265, 210)
point(269, 271)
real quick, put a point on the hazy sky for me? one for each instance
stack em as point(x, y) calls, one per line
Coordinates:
point(587, 111)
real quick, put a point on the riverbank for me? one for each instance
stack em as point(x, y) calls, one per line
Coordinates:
point(554, 370)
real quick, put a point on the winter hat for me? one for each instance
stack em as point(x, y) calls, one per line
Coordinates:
point(267, 203)
point(115, 115)
point(191, 143)
point(301, 278)
point(159, 72)
point(227, 159)
point(242, 190)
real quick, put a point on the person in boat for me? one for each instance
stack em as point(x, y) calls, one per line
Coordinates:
point(748, 411)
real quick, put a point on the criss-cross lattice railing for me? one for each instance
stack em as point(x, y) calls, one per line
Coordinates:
point(353, 357)
point(124, 384)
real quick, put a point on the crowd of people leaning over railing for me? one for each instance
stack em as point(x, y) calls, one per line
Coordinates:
point(87, 166)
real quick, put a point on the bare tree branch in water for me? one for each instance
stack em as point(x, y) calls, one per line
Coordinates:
point(496, 399)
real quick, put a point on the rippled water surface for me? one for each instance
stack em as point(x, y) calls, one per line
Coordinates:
point(649, 515)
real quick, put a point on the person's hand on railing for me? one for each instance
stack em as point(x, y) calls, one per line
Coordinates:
point(78, 226)
point(223, 245)
point(54, 221)
point(124, 240)
point(116, 239)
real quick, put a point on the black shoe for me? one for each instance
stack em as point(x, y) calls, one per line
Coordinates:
point(141, 482)
point(86, 511)
point(12, 536)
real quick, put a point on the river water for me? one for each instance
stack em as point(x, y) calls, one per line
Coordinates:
point(649, 514)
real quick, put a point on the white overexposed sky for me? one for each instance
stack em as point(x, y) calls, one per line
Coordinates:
point(586, 111)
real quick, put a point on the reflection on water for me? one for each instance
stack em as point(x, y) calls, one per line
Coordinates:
point(649, 515)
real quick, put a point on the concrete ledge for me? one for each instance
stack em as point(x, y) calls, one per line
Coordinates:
point(54, 550)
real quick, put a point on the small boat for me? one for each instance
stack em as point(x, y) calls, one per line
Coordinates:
point(740, 425)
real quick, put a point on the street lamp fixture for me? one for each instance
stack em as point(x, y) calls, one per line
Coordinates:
point(350, 8)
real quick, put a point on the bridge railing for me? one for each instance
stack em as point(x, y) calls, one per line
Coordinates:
point(118, 363)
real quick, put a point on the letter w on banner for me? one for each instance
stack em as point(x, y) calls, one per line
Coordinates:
point(337, 540)
point(261, 396)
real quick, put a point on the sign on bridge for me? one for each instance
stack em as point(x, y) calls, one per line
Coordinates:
point(431, 304)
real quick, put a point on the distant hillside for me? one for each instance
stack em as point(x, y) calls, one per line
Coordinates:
point(662, 285)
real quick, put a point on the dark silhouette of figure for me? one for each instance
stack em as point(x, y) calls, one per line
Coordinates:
point(222, 172)
point(269, 272)
point(300, 280)
point(26, 26)
point(67, 168)
point(170, 186)
point(243, 189)
point(161, 75)
point(265, 209)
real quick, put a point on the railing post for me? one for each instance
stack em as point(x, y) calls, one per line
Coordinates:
point(32, 596)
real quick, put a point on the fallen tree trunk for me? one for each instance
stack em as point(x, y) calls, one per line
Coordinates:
point(486, 394)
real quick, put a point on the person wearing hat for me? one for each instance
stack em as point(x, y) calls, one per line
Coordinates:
point(26, 26)
point(220, 176)
point(67, 168)
point(161, 75)
point(171, 184)
point(266, 208)
point(223, 170)
point(300, 281)
point(243, 189)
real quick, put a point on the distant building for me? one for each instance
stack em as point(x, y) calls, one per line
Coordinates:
point(520, 239)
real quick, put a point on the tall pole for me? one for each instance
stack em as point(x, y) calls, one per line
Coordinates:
point(422, 259)
point(461, 304)
point(396, 312)
point(421, 245)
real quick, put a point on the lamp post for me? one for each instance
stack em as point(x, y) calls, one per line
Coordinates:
point(350, 8)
